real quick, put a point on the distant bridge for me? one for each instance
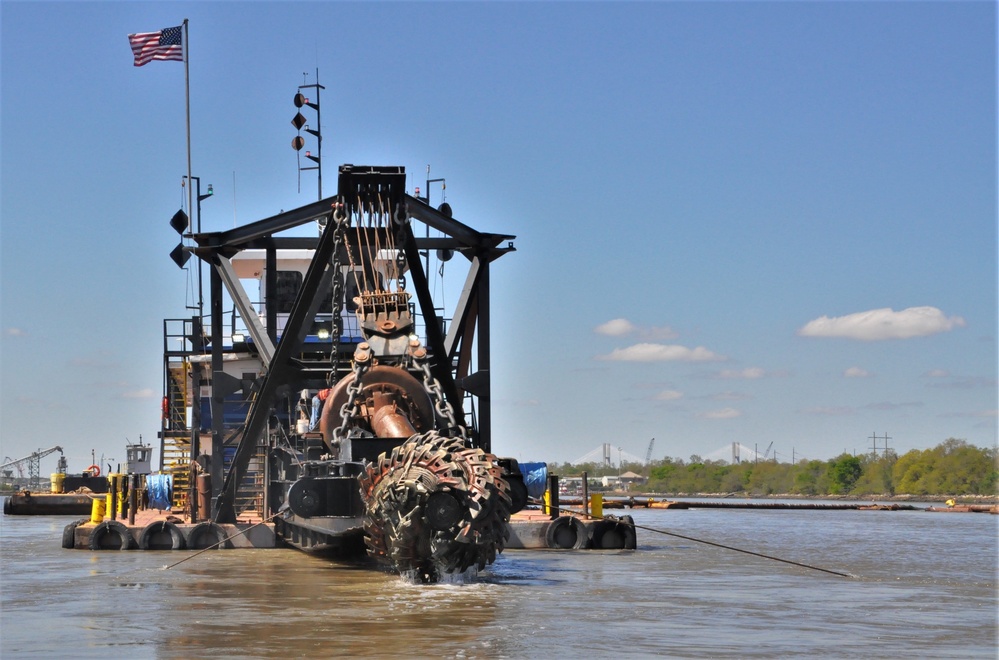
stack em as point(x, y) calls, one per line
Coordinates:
point(605, 455)
point(734, 452)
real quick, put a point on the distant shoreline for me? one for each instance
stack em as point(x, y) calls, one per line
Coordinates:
point(960, 499)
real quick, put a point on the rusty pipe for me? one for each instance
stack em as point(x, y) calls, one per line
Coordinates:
point(387, 421)
point(409, 396)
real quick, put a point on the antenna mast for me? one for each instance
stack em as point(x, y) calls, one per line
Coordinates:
point(300, 122)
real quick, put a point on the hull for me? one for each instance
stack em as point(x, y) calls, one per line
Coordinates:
point(44, 504)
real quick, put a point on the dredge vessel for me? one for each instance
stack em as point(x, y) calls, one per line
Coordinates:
point(398, 462)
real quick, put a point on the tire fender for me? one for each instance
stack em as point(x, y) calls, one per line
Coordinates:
point(205, 535)
point(566, 533)
point(152, 534)
point(69, 533)
point(111, 535)
point(612, 535)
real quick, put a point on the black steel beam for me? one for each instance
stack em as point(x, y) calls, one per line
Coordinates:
point(218, 398)
point(428, 215)
point(270, 272)
point(465, 304)
point(482, 316)
point(238, 237)
point(310, 242)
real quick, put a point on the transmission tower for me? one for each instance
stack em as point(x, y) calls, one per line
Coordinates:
point(874, 444)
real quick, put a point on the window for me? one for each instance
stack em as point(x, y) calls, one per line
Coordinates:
point(288, 284)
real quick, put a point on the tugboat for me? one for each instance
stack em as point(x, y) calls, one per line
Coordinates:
point(343, 405)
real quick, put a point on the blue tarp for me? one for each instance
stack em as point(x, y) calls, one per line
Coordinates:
point(535, 478)
point(160, 489)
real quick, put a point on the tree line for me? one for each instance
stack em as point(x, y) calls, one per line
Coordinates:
point(952, 468)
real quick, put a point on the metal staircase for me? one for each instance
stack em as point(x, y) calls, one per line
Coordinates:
point(180, 339)
point(175, 457)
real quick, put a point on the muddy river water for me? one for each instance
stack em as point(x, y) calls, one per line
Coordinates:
point(923, 585)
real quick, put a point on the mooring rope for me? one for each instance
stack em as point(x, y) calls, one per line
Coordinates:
point(228, 538)
point(712, 543)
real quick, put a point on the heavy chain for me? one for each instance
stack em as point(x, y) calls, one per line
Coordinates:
point(349, 410)
point(339, 229)
point(433, 388)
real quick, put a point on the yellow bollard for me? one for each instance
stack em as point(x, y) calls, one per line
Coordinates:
point(117, 506)
point(97, 510)
point(597, 505)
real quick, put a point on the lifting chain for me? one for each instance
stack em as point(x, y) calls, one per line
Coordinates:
point(433, 388)
point(349, 410)
point(339, 229)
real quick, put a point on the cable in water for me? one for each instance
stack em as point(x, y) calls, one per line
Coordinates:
point(712, 543)
point(228, 538)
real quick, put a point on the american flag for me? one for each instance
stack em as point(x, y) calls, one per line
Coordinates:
point(162, 45)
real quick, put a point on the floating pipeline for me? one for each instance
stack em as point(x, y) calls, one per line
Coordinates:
point(650, 503)
point(967, 508)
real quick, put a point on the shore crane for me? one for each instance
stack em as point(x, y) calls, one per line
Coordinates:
point(32, 462)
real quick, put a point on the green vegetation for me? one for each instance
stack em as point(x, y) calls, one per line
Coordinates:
point(952, 468)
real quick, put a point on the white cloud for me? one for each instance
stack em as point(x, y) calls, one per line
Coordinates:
point(615, 328)
point(14, 332)
point(750, 373)
point(668, 395)
point(856, 372)
point(724, 413)
point(647, 352)
point(884, 323)
point(937, 373)
point(623, 327)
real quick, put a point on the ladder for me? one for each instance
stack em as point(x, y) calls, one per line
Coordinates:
point(176, 436)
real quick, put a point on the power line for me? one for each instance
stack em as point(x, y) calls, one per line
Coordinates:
point(874, 444)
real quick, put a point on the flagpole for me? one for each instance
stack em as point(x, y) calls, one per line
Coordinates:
point(187, 100)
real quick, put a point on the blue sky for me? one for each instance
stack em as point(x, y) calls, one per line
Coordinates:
point(736, 222)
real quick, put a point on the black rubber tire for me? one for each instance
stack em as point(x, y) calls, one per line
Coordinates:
point(162, 535)
point(566, 533)
point(69, 533)
point(630, 533)
point(612, 535)
point(518, 495)
point(205, 535)
point(111, 535)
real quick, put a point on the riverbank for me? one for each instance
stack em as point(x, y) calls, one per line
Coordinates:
point(959, 499)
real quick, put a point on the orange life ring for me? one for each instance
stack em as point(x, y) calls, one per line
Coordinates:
point(94, 470)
